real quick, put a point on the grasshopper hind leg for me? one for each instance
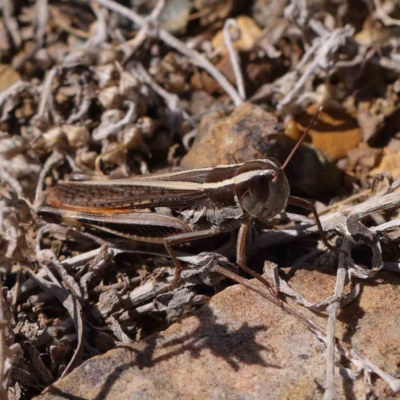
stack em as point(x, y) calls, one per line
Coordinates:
point(182, 238)
point(240, 251)
point(178, 266)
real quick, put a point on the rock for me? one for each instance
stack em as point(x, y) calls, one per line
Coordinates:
point(241, 346)
point(8, 76)
point(267, 13)
point(335, 132)
point(175, 16)
point(244, 133)
point(203, 81)
point(390, 163)
point(217, 9)
point(363, 159)
point(250, 133)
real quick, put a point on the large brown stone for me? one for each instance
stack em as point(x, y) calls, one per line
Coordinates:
point(240, 346)
point(250, 133)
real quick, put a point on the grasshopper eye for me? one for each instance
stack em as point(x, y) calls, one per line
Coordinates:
point(259, 187)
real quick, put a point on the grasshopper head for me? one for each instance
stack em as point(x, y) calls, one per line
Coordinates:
point(262, 188)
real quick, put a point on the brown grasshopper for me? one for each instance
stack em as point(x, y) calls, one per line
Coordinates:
point(178, 207)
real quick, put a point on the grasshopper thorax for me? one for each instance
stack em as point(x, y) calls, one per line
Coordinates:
point(261, 188)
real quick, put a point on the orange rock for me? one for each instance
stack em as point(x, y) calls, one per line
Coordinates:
point(335, 132)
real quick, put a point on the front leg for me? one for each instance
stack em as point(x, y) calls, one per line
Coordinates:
point(241, 256)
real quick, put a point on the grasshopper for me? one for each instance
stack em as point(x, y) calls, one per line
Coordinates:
point(177, 207)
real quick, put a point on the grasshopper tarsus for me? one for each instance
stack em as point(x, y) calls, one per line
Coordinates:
point(257, 276)
point(178, 266)
point(308, 205)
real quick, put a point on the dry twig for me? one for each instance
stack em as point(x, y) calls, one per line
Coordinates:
point(42, 16)
point(235, 62)
point(336, 221)
point(170, 40)
point(327, 46)
point(11, 22)
point(150, 24)
point(330, 331)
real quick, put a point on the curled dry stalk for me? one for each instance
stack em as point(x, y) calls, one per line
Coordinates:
point(235, 62)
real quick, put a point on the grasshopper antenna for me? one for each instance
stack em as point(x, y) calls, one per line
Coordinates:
point(297, 201)
point(301, 140)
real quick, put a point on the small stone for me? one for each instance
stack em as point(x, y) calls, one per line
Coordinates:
point(51, 139)
point(131, 137)
point(175, 16)
point(110, 97)
point(78, 136)
point(8, 76)
point(390, 163)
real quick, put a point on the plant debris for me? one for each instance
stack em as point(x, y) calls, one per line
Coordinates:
point(120, 88)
